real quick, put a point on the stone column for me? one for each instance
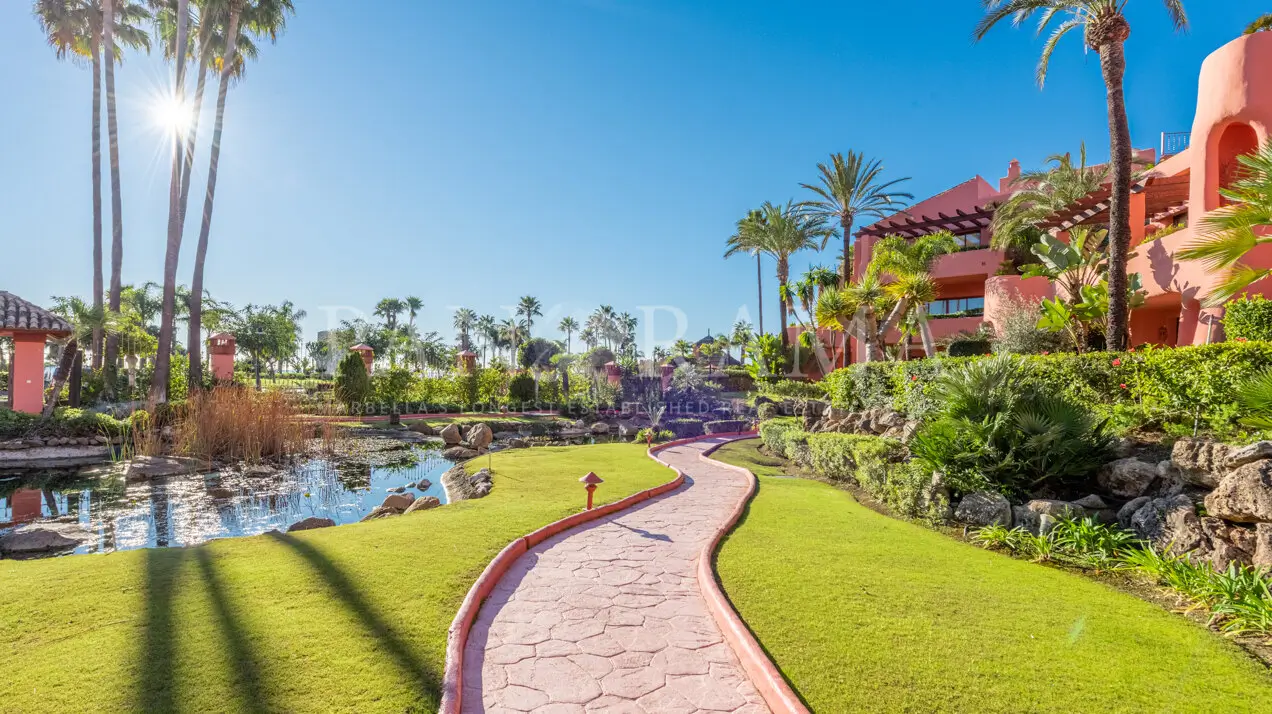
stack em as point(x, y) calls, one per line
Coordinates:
point(28, 372)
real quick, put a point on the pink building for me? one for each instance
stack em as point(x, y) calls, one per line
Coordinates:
point(1234, 116)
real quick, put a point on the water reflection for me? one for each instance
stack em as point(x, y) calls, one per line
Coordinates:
point(108, 513)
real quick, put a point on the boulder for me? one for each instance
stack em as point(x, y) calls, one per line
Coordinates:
point(1199, 461)
point(310, 523)
point(1263, 546)
point(1055, 509)
point(1026, 519)
point(1258, 451)
point(423, 427)
point(908, 431)
point(934, 499)
point(1227, 543)
point(423, 504)
point(459, 453)
point(397, 489)
point(450, 435)
point(1170, 524)
point(259, 470)
point(1244, 495)
point(33, 541)
point(479, 436)
point(1091, 503)
point(1127, 478)
point(380, 512)
point(146, 467)
point(627, 429)
point(423, 484)
point(398, 501)
point(1224, 554)
point(984, 508)
point(1128, 509)
point(600, 428)
point(518, 444)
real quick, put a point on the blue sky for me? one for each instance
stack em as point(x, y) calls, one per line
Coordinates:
point(582, 151)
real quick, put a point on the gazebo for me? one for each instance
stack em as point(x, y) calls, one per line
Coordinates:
point(30, 326)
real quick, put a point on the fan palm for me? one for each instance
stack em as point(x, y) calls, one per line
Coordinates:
point(464, 322)
point(738, 243)
point(1042, 193)
point(569, 326)
point(528, 307)
point(413, 307)
point(389, 309)
point(224, 19)
point(86, 320)
point(1105, 29)
point(781, 232)
point(1231, 231)
point(852, 188)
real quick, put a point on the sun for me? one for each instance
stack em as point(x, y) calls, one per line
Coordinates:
point(172, 115)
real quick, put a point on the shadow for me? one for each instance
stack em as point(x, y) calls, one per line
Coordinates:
point(422, 677)
point(157, 687)
point(246, 663)
point(644, 533)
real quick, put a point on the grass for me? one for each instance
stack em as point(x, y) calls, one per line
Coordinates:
point(862, 612)
point(347, 619)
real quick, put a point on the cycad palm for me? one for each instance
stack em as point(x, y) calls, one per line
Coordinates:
point(853, 187)
point(1230, 232)
point(1105, 29)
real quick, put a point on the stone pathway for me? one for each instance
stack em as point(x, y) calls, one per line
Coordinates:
point(608, 617)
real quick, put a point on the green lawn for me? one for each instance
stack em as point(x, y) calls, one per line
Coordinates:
point(349, 619)
point(866, 613)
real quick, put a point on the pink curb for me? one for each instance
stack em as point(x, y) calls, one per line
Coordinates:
point(457, 637)
point(768, 681)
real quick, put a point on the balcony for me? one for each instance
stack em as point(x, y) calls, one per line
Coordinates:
point(973, 262)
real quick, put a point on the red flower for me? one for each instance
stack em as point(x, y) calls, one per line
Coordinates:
point(1117, 362)
point(1241, 339)
point(1045, 352)
point(914, 378)
point(1122, 385)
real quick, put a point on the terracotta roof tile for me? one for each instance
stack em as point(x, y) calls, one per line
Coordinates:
point(18, 314)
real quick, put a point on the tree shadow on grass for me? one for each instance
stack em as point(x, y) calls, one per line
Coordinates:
point(158, 692)
point(246, 662)
point(421, 676)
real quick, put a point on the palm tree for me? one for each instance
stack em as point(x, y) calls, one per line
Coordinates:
point(85, 320)
point(1041, 194)
point(262, 18)
point(1105, 30)
point(853, 188)
point(511, 331)
point(1230, 232)
point(784, 231)
point(737, 244)
point(741, 337)
point(529, 308)
point(389, 309)
point(413, 307)
point(464, 322)
point(569, 326)
point(855, 309)
point(1263, 24)
point(487, 328)
point(909, 262)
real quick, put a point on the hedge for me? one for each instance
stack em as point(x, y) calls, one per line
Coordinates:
point(685, 428)
point(65, 422)
point(1248, 318)
point(725, 426)
point(1160, 386)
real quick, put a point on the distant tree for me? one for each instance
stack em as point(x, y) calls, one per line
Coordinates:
point(389, 309)
point(781, 232)
point(85, 320)
point(413, 307)
point(741, 337)
point(465, 321)
point(529, 308)
point(353, 384)
point(569, 326)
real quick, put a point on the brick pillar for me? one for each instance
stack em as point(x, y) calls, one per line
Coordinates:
point(28, 372)
point(221, 347)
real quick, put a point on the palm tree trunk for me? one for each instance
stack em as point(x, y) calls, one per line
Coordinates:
point(925, 331)
point(845, 270)
point(759, 286)
point(64, 366)
point(783, 271)
point(116, 200)
point(163, 357)
point(99, 289)
point(194, 342)
point(893, 318)
point(1113, 65)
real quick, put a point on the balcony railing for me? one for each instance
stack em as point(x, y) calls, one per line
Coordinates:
point(1174, 142)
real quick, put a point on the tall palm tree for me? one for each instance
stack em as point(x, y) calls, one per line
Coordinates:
point(488, 329)
point(1230, 232)
point(529, 308)
point(262, 18)
point(852, 188)
point(464, 322)
point(784, 231)
point(1263, 24)
point(741, 336)
point(389, 309)
point(413, 307)
point(1105, 30)
point(569, 326)
point(737, 245)
point(172, 254)
point(511, 331)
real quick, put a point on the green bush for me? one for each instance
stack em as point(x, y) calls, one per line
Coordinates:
point(660, 435)
point(521, 388)
point(353, 384)
point(733, 379)
point(767, 410)
point(793, 389)
point(969, 347)
point(65, 422)
point(785, 437)
point(685, 428)
point(846, 457)
point(1248, 318)
point(725, 426)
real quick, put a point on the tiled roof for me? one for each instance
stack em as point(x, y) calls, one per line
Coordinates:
point(18, 314)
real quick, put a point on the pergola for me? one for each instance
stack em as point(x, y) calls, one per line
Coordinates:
point(1163, 197)
point(30, 326)
point(907, 225)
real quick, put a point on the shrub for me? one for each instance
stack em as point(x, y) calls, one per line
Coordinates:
point(734, 379)
point(846, 457)
point(1248, 318)
point(66, 421)
point(968, 347)
point(353, 384)
point(767, 410)
point(660, 435)
point(725, 426)
point(1018, 331)
point(793, 389)
point(685, 428)
point(521, 388)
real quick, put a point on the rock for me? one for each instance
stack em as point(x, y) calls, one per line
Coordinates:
point(1258, 451)
point(1091, 503)
point(450, 435)
point(934, 500)
point(259, 470)
point(1244, 495)
point(1262, 546)
point(600, 428)
point(481, 490)
point(35, 540)
point(1224, 554)
point(518, 444)
point(1129, 508)
point(411, 485)
point(310, 523)
point(423, 504)
point(459, 453)
point(479, 436)
point(1026, 519)
point(908, 431)
point(379, 512)
point(398, 501)
point(51, 457)
point(461, 486)
point(1055, 509)
point(1123, 448)
point(1046, 523)
point(984, 508)
point(1170, 524)
point(627, 429)
point(423, 484)
point(423, 428)
point(1199, 461)
point(396, 489)
point(1127, 478)
point(1226, 543)
point(144, 467)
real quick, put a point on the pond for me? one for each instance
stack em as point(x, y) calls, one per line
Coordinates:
point(111, 514)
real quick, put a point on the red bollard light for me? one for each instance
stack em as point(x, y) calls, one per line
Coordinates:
point(591, 479)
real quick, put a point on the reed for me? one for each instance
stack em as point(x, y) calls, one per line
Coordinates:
point(236, 424)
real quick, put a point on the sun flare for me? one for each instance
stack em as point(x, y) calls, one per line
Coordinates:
point(172, 115)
